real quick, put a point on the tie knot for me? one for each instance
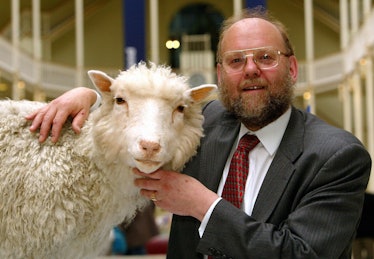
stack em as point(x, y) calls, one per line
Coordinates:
point(248, 142)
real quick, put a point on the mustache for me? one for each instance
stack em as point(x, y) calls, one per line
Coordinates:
point(257, 81)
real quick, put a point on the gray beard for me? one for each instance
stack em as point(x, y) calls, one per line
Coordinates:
point(278, 103)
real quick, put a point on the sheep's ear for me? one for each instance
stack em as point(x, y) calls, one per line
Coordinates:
point(202, 92)
point(101, 80)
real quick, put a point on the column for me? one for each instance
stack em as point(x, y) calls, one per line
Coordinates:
point(366, 7)
point(354, 16)
point(79, 41)
point(237, 6)
point(344, 25)
point(154, 32)
point(346, 88)
point(347, 106)
point(309, 46)
point(357, 106)
point(369, 77)
point(37, 51)
point(15, 13)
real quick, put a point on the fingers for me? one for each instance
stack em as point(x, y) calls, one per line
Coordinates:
point(31, 116)
point(152, 195)
point(37, 118)
point(147, 183)
point(43, 119)
point(155, 175)
point(57, 123)
point(148, 188)
point(49, 120)
point(79, 120)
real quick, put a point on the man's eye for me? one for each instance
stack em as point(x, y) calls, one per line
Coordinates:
point(266, 56)
point(237, 60)
point(119, 100)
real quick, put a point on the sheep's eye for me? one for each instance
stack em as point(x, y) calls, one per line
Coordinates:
point(181, 108)
point(119, 100)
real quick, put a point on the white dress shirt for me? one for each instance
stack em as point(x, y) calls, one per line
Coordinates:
point(260, 159)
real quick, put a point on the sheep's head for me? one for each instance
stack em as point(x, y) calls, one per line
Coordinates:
point(150, 117)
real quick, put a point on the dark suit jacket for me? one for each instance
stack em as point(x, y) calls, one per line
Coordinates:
point(308, 206)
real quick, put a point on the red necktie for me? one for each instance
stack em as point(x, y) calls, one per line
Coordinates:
point(233, 190)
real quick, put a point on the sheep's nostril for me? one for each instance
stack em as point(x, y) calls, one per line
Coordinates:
point(150, 147)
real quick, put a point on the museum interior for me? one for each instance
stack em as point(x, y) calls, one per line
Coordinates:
point(47, 47)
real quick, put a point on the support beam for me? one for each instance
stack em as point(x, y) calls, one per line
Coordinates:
point(238, 6)
point(154, 32)
point(16, 12)
point(37, 50)
point(354, 16)
point(357, 106)
point(344, 25)
point(347, 106)
point(79, 41)
point(309, 46)
point(369, 79)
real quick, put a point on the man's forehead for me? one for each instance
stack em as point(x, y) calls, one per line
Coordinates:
point(251, 33)
point(254, 24)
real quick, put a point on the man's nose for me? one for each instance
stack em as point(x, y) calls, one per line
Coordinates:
point(250, 65)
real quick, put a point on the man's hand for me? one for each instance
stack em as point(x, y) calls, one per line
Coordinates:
point(175, 192)
point(75, 103)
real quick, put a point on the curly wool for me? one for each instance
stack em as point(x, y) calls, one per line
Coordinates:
point(61, 200)
point(56, 203)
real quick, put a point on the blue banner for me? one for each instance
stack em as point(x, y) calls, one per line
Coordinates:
point(134, 31)
point(254, 3)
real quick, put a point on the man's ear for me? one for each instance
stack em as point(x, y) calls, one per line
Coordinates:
point(219, 71)
point(294, 70)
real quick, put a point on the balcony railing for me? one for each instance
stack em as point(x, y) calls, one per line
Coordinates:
point(54, 79)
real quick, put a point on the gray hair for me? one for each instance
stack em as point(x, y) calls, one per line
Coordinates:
point(257, 12)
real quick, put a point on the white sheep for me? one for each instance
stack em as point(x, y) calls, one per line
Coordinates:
point(61, 200)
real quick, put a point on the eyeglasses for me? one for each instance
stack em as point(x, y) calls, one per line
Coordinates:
point(264, 58)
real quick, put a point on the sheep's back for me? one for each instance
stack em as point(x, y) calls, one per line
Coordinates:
point(44, 189)
point(22, 154)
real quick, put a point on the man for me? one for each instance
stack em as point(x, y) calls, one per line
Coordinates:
point(305, 188)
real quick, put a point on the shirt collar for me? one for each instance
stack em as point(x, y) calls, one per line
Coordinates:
point(271, 135)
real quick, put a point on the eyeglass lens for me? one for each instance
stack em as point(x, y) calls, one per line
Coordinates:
point(234, 61)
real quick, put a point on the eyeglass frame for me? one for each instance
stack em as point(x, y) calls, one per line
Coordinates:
point(278, 52)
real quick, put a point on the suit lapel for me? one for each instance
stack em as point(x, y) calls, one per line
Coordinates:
point(219, 143)
point(281, 169)
point(276, 180)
